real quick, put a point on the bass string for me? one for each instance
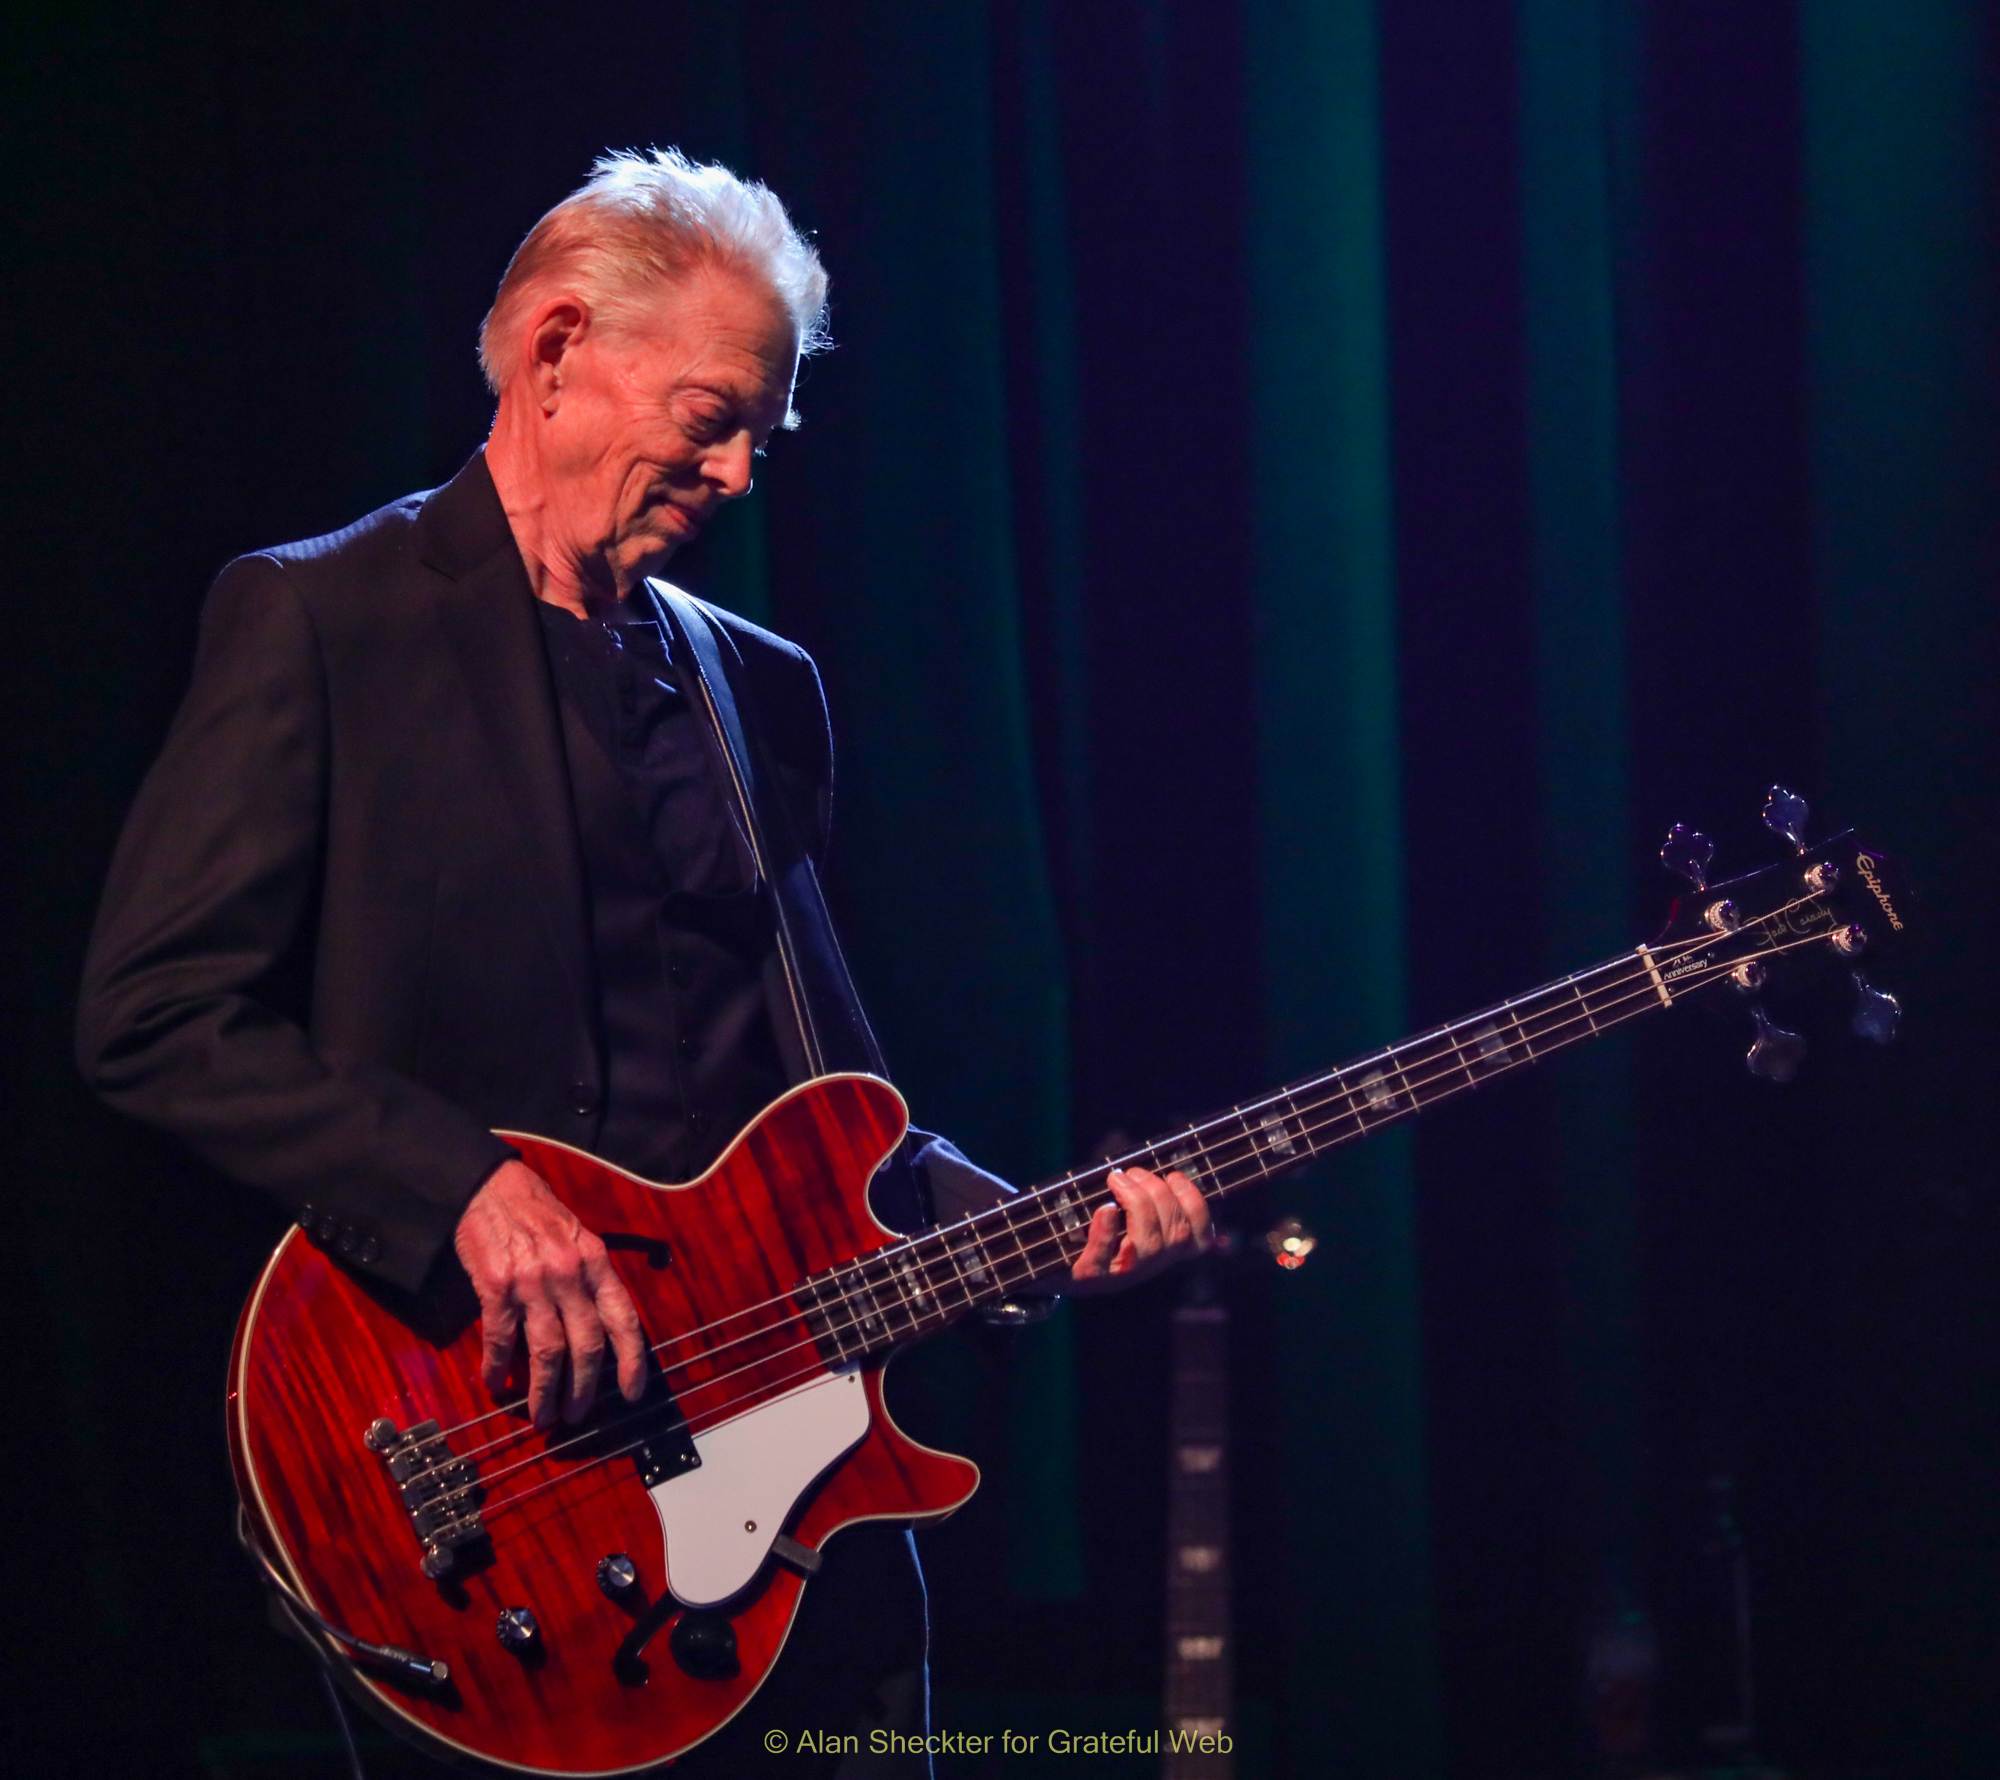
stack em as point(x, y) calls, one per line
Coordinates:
point(1643, 992)
point(1216, 1146)
point(1047, 1189)
point(1644, 996)
point(1512, 1010)
point(1641, 978)
point(1643, 989)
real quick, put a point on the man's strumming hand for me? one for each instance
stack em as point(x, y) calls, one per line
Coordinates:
point(1154, 1222)
point(541, 1275)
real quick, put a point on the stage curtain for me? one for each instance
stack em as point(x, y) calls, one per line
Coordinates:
point(902, 481)
point(1361, 1693)
point(1578, 204)
point(1898, 149)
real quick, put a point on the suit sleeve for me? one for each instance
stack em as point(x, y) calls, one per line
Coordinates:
point(958, 1186)
point(194, 1000)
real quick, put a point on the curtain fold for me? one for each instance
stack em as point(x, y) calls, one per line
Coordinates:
point(1361, 1695)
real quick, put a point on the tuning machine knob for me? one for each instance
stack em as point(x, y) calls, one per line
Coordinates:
point(1786, 815)
point(1776, 1053)
point(1850, 942)
point(1688, 854)
point(1749, 976)
point(1821, 878)
point(1877, 1013)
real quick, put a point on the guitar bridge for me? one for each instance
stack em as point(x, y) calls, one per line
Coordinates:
point(440, 1490)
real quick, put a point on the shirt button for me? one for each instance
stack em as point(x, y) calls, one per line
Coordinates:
point(688, 1046)
point(582, 1099)
point(679, 974)
point(697, 1123)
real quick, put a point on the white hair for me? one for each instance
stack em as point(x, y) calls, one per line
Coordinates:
point(645, 220)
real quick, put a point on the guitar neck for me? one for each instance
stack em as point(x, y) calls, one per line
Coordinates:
point(1200, 1695)
point(922, 1283)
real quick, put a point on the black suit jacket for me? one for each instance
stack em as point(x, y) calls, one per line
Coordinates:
point(345, 933)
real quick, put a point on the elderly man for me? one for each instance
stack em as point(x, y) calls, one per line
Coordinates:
point(439, 844)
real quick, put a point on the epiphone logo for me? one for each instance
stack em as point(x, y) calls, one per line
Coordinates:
point(1866, 867)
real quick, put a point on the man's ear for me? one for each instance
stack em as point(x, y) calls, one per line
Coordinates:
point(555, 330)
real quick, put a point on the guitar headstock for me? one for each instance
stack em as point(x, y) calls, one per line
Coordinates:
point(1825, 907)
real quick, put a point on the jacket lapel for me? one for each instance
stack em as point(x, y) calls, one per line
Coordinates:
point(487, 610)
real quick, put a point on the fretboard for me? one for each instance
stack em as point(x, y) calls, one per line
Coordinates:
point(922, 1283)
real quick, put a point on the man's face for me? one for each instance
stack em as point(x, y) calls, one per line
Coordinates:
point(657, 426)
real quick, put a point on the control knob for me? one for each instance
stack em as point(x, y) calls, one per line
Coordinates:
point(617, 1575)
point(518, 1629)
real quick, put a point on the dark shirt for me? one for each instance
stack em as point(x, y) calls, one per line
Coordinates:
point(681, 928)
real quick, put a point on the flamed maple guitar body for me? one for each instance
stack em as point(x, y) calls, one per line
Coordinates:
point(321, 1357)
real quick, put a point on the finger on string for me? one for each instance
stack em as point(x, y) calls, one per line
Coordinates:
point(1100, 1246)
point(1193, 1206)
point(583, 1336)
point(1143, 1231)
point(547, 1350)
point(500, 1325)
point(1117, 1222)
point(620, 1317)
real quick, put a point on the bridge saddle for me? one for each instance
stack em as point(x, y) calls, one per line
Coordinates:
point(440, 1491)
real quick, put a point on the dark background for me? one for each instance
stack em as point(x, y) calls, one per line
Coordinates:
point(247, 251)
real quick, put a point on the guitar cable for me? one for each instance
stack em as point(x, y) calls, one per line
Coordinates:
point(412, 1667)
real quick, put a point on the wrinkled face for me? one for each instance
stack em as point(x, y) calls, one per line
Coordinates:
point(656, 427)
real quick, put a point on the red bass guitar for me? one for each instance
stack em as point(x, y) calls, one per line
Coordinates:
point(597, 1599)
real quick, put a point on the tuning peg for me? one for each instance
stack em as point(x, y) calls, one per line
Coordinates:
point(1777, 1053)
point(1786, 814)
point(1877, 1013)
point(1688, 854)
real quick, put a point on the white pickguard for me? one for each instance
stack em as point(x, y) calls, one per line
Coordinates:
point(721, 1517)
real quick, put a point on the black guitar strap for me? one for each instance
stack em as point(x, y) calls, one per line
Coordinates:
point(829, 1032)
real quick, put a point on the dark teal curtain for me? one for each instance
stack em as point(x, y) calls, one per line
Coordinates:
point(1905, 464)
point(1578, 123)
point(1304, 494)
point(1361, 1685)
